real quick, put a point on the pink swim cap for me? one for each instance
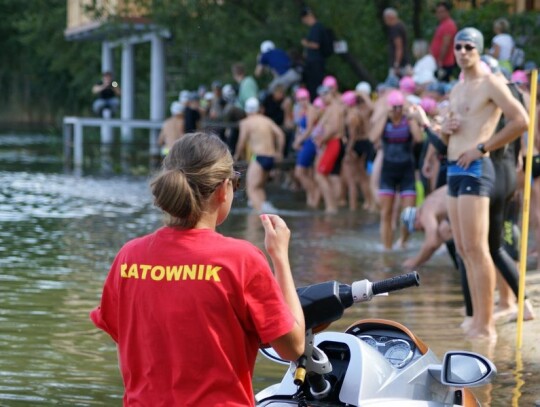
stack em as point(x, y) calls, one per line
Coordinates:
point(301, 93)
point(330, 82)
point(429, 105)
point(318, 103)
point(395, 98)
point(406, 84)
point(349, 98)
point(520, 77)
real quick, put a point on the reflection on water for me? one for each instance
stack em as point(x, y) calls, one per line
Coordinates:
point(59, 233)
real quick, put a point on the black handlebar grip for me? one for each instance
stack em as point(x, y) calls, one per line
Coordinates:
point(396, 283)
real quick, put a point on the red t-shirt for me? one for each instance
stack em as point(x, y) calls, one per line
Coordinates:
point(446, 27)
point(189, 310)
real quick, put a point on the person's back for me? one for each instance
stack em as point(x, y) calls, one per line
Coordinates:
point(173, 128)
point(182, 315)
point(261, 134)
point(277, 60)
point(188, 307)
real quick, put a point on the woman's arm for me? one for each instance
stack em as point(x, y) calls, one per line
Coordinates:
point(291, 345)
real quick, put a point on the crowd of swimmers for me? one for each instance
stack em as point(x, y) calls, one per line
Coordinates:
point(385, 149)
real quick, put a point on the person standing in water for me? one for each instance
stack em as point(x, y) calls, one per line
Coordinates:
point(476, 104)
point(265, 141)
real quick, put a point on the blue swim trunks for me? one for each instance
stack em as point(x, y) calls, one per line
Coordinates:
point(266, 162)
point(478, 179)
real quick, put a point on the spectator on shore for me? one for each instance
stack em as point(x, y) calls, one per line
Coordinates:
point(279, 64)
point(108, 92)
point(425, 67)
point(442, 42)
point(247, 86)
point(314, 61)
point(398, 48)
point(502, 44)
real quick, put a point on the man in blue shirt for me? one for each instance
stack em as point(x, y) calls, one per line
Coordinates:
point(278, 62)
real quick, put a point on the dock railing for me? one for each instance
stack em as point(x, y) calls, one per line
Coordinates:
point(73, 134)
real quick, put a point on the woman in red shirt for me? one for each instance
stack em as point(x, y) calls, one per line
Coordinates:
point(189, 307)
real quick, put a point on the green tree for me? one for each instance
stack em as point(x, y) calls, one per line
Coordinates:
point(44, 77)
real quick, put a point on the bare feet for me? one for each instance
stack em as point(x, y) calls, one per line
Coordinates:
point(481, 333)
point(466, 324)
point(510, 314)
point(504, 314)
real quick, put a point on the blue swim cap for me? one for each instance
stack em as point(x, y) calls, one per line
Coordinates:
point(471, 35)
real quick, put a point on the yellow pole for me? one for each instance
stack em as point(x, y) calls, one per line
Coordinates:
point(526, 201)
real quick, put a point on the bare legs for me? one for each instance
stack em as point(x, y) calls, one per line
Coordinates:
point(469, 217)
point(255, 181)
point(305, 176)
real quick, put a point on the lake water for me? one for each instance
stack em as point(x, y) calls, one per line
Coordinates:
point(59, 232)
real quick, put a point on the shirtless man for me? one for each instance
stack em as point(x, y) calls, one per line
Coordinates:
point(476, 104)
point(357, 151)
point(432, 218)
point(330, 142)
point(173, 128)
point(265, 141)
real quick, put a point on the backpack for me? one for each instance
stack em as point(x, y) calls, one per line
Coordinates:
point(517, 58)
point(327, 43)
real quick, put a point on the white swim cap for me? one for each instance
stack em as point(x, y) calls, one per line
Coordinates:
point(176, 108)
point(363, 87)
point(267, 46)
point(228, 92)
point(252, 105)
point(183, 97)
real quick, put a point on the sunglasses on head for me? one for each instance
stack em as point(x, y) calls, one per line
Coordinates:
point(468, 47)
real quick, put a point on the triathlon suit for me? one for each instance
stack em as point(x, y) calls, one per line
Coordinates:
point(308, 151)
point(398, 163)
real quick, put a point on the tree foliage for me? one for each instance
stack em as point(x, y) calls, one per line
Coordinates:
point(44, 77)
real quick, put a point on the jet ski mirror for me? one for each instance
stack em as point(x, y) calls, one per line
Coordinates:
point(466, 369)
